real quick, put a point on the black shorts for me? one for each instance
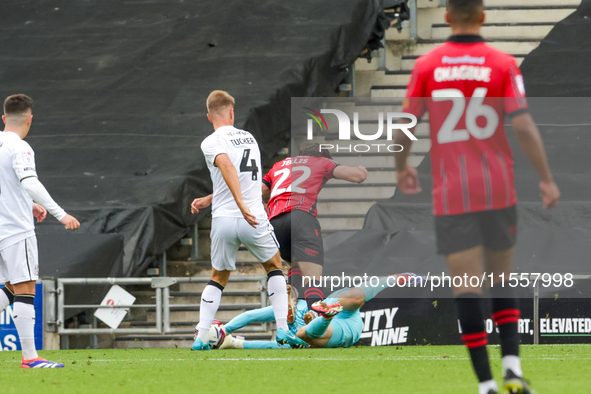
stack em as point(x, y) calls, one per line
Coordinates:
point(494, 229)
point(299, 237)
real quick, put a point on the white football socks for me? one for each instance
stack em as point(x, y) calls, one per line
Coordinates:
point(24, 320)
point(486, 386)
point(210, 302)
point(513, 363)
point(277, 289)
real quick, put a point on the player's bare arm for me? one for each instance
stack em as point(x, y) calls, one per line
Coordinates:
point(201, 203)
point(408, 177)
point(266, 192)
point(352, 174)
point(39, 212)
point(230, 175)
point(530, 141)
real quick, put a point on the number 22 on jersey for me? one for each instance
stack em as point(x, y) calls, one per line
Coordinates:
point(284, 173)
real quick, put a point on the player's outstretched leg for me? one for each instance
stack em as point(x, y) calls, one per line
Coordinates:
point(317, 327)
point(407, 279)
point(327, 310)
point(242, 344)
point(24, 320)
point(210, 302)
point(260, 315)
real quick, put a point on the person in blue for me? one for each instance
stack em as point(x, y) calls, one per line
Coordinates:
point(334, 322)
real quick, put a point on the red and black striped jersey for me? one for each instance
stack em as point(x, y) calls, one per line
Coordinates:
point(468, 87)
point(295, 183)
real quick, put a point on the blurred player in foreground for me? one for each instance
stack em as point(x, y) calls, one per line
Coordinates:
point(292, 186)
point(238, 214)
point(334, 322)
point(468, 88)
point(19, 186)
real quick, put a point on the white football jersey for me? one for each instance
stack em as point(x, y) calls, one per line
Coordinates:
point(243, 150)
point(17, 162)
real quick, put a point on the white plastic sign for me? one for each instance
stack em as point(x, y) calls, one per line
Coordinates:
point(114, 316)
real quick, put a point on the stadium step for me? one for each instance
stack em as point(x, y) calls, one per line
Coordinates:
point(343, 223)
point(224, 314)
point(532, 3)
point(510, 47)
point(514, 27)
point(184, 301)
point(336, 207)
point(374, 176)
point(229, 297)
point(385, 160)
point(230, 287)
point(502, 30)
point(346, 193)
point(370, 127)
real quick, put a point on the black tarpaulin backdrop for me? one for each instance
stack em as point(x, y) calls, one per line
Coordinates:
point(120, 91)
point(559, 67)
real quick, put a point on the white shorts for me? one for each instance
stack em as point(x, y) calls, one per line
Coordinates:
point(228, 233)
point(20, 262)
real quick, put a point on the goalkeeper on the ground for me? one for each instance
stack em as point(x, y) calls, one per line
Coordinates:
point(334, 322)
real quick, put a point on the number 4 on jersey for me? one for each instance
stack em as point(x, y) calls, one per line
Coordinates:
point(244, 167)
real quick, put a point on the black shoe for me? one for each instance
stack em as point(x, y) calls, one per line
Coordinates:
point(491, 391)
point(516, 385)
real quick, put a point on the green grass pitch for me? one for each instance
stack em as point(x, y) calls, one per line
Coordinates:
point(403, 369)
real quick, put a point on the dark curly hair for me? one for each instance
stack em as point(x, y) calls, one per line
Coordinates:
point(313, 149)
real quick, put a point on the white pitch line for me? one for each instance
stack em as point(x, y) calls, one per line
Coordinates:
point(410, 358)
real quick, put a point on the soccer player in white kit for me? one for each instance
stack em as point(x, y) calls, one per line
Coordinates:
point(19, 186)
point(238, 214)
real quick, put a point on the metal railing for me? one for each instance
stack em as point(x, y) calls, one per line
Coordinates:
point(167, 306)
point(56, 307)
point(414, 24)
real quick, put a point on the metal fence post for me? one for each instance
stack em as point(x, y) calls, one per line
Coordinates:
point(195, 244)
point(64, 340)
point(414, 24)
point(537, 313)
point(163, 264)
point(159, 309)
point(382, 56)
point(352, 80)
point(51, 339)
point(49, 305)
point(166, 309)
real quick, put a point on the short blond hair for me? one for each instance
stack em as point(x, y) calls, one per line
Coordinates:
point(218, 101)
